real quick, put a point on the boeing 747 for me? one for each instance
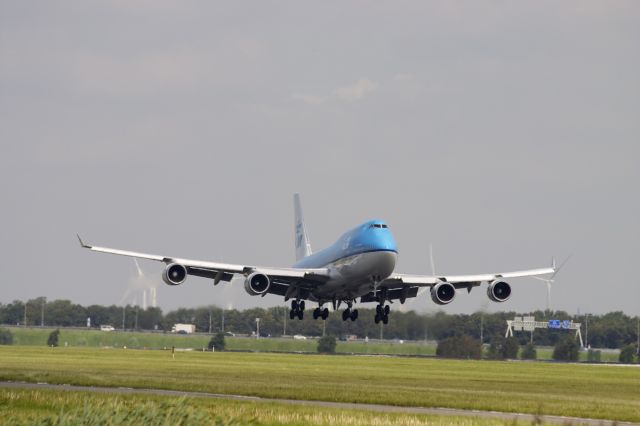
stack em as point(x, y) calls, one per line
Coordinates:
point(359, 265)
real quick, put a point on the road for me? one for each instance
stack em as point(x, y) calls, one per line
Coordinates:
point(339, 405)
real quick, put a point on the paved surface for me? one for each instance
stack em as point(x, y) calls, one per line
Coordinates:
point(339, 405)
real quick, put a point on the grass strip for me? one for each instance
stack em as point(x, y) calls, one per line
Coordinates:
point(605, 392)
point(47, 407)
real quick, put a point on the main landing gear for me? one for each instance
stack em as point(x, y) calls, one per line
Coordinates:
point(319, 312)
point(382, 313)
point(349, 313)
point(297, 309)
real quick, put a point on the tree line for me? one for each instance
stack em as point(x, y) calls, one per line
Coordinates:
point(610, 330)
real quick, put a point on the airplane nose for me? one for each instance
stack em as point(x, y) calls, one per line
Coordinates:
point(386, 263)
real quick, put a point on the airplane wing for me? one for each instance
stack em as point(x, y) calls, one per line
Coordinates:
point(286, 282)
point(461, 281)
point(403, 286)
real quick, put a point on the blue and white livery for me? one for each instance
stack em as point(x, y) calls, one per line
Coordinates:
point(358, 267)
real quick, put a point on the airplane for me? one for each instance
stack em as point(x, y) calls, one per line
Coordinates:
point(360, 264)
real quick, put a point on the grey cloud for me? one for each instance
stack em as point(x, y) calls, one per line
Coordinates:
point(310, 99)
point(357, 91)
point(350, 93)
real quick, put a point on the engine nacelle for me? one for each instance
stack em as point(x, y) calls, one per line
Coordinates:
point(174, 274)
point(443, 293)
point(257, 284)
point(499, 291)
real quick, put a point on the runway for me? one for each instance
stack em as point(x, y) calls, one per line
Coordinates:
point(338, 405)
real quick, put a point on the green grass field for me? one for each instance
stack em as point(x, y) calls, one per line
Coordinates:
point(95, 338)
point(607, 392)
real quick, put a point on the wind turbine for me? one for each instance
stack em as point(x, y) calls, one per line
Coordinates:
point(143, 283)
point(407, 304)
point(550, 280)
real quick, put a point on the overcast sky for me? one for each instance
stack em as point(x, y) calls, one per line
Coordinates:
point(504, 133)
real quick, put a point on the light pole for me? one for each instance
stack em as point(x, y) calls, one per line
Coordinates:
point(123, 314)
point(586, 331)
point(44, 301)
point(532, 316)
point(257, 328)
point(426, 329)
point(284, 329)
point(229, 307)
point(638, 335)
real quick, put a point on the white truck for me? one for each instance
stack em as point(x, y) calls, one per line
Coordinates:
point(183, 328)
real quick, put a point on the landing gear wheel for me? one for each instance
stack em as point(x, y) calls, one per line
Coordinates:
point(378, 309)
point(316, 313)
point(354, 315)
point(292, 314)
point(346, 314)
point(377, 319)
point(300, 315)
point(294, 305)
point(301, 305)
point(387, 309)
point(325, 313)
point(385, 319)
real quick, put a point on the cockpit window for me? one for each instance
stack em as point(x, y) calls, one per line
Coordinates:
point(378, 225)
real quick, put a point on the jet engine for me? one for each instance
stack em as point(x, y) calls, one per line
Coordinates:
point(443, 293)
point(257, 284)
point(174, 274)
point(498, 291)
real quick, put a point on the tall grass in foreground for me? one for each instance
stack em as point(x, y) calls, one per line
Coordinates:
point(50, 407)
point(116, 411)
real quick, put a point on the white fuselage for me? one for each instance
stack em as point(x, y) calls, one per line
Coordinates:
point(356, 275)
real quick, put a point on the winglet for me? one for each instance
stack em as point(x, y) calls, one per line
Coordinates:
point(82, 244)
point(553, 263)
